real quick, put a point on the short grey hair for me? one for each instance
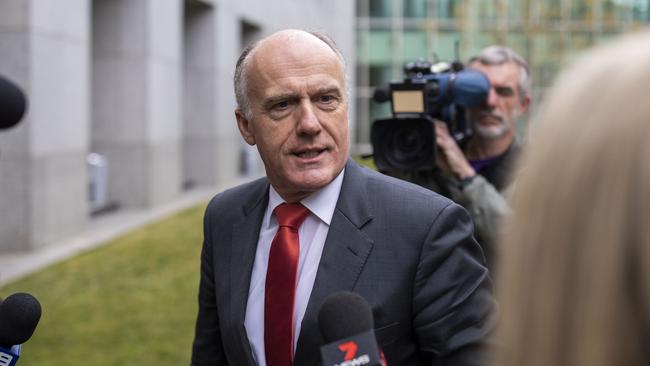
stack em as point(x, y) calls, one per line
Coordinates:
point(498, 55)
point(241, 79)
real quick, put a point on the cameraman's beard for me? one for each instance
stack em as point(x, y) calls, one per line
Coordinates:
point(494, 131)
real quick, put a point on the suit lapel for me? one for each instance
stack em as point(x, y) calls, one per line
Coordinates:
point(245, 235)
point(345, 253)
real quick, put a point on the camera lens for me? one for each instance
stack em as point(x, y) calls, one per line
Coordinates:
point(403, 144)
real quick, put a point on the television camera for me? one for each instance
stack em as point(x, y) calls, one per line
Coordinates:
point(406, 142)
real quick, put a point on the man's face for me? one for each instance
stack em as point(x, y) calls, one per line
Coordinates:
point(497, 117)
point(299, 113)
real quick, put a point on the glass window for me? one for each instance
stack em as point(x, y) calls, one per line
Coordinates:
point(380, 75)
point(379, 110)
point(444, 45)
point(482, 40)
point(581, 10)
point(622, 12)
point(380, 8)
point(487, 12)
point(414, 46)
point(362, 37)
point(552, 10)
point(415, 8)
point(380, 47)
point(641, 10)
point(581, 40)
point(448, 9)
point(545, 73)
point(516, 12)
point(609, 12)
point(519, 42)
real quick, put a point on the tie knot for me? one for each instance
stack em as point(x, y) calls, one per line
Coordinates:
point(291, 214)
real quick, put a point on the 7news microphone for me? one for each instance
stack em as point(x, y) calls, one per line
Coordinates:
point(347, 326)
point(19, 315)
point(12, 104)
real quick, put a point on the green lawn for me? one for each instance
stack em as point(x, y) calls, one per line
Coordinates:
point(132, 302)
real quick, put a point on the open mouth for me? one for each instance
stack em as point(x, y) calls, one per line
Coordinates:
point(309, 153)
point(491, 118)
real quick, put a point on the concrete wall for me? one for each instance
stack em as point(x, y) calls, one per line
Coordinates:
point(136, 97)
point(43, 184)
point(146, 83)
point(199, 95)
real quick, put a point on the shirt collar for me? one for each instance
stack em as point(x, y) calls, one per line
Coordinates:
point(321, 203)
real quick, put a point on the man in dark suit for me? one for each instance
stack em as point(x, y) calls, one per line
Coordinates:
point(408, 251)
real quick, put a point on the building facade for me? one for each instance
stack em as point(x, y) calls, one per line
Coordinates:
point(130, 102)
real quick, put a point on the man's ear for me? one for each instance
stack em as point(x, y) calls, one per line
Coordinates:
point(244, 127)
point(525, 104)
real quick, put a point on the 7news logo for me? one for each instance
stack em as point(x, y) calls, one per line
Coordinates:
point(7, 359)
point(350, 355)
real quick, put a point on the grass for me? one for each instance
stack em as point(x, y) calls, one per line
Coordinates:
point(132, 302)
point(367, 161)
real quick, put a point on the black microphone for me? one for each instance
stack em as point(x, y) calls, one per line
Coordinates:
point(347, 326)
point(19, 315)
point(12, 103)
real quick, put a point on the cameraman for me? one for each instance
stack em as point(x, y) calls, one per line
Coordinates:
point(479, 175)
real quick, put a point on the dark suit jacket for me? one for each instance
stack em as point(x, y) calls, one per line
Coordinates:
point(408, 251)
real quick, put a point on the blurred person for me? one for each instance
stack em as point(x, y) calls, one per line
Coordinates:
point(479, 175)
point(575, 282)
point(408, 251)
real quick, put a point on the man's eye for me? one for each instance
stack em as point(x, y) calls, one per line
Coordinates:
point(327, 101)
point(280, 105)
point(504, 91)
point(326, 98)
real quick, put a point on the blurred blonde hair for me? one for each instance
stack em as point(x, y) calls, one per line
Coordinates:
point(575, 281)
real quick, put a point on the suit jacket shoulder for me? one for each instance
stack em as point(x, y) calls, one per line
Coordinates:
point(237, 201)
point(385, 195)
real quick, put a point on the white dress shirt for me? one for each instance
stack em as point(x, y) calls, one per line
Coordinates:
point(312, 234)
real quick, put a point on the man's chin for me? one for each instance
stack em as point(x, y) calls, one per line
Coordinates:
point(491, 132)
point(313, 179)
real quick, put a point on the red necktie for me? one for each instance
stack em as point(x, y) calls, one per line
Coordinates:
point(281, 280)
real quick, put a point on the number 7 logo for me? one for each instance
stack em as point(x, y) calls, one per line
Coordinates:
point(350, 349)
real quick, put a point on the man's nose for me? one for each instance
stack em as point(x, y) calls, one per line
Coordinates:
point(492, 98)
point(308, 122)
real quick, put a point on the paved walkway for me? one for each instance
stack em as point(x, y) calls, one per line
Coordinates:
point(99, 231)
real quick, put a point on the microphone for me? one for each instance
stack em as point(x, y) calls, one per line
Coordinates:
point(19, 315)
point(12, 104)
point(346, 323)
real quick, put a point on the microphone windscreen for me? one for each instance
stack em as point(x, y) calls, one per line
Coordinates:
point(12, 103)
point(344, 314)
point(19, 315)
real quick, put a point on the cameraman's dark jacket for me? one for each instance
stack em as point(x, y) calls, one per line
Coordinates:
point(485, 196)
